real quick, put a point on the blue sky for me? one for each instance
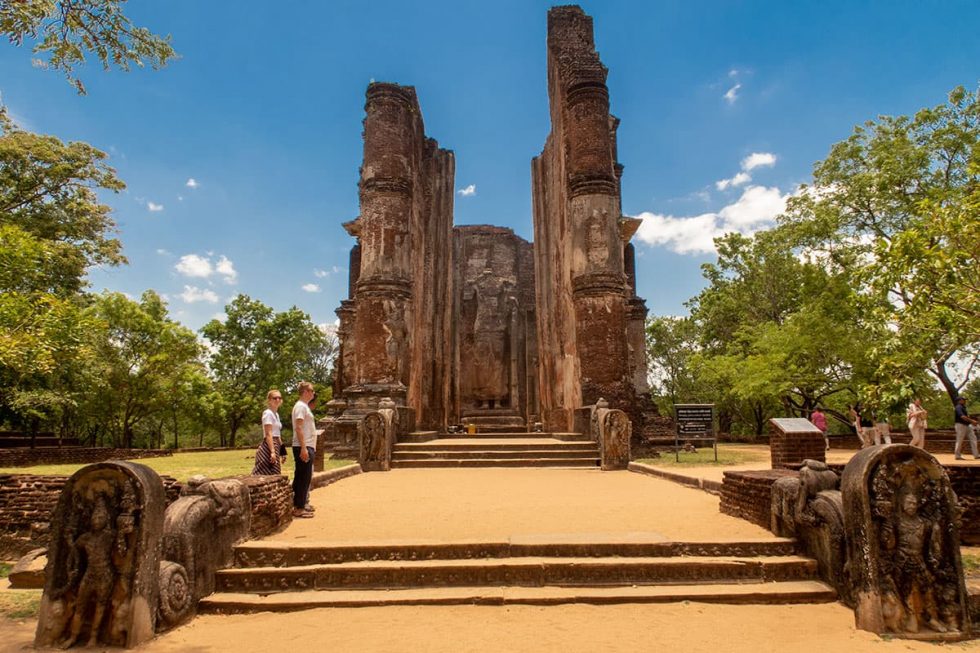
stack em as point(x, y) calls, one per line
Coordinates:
point(263, 112)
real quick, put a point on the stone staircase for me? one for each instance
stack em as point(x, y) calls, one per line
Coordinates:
point(284, 577)
point(499, 450)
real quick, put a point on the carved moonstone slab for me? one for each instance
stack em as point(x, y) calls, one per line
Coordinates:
point(101, 585)
point(901, 519)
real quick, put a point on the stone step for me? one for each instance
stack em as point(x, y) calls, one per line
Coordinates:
point(402, 456)
point(498, 462)
point(496, 445)
point(266, 553)
point(516, 571)
point(743, 593)
point(515, 434)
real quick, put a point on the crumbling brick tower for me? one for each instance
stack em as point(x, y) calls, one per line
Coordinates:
point(586, 305)
point(395, 328)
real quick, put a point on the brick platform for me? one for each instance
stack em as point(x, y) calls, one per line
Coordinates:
point(748, 495)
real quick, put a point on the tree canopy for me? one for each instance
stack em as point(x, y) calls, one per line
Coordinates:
point(64, 32)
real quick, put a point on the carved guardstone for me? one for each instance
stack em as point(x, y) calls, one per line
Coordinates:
point(901, 520)
point(377, 435)
point(612, 429)
point(201, 529)
point(101, 584)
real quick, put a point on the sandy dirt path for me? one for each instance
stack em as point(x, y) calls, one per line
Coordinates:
point(494, 503)
point(690, 627)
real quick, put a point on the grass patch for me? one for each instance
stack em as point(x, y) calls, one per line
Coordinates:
point(214, 464)
point(20, 604)
point(971, 563)
point(728, 454)
point(5, 568)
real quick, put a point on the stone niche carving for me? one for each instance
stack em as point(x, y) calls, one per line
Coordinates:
point(101, 584)
point(201, 529)
point(377, 437)
point(901, 520)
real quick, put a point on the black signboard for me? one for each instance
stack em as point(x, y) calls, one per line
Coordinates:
point(694, 422)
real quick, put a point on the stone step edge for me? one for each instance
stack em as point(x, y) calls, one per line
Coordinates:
point(498, 462)
point(286, 553)
point(534, 561)
point(492, 455)
point(783, 592)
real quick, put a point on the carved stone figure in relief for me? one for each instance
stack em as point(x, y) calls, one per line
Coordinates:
point(92, 560)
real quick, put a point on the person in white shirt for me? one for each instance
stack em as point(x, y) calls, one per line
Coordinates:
point(267, 461)
point(304, 449)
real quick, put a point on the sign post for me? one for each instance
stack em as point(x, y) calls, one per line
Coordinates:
point(694, 422)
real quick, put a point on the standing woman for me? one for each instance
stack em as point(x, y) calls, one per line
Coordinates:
point(267, 460)
point(917, 423)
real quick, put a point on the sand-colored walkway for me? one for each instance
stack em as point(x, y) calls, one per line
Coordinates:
point(496, 504)
point(687, 627)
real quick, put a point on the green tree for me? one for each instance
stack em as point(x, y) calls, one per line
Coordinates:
point(893, 208)
point(255, 349)
point(64, 31)
point(144, 355)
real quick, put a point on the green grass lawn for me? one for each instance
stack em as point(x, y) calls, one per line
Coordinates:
point(215, 464)
point(20, 604)
point(728, 454)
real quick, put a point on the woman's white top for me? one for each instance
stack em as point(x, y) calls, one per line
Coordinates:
point(271, 418)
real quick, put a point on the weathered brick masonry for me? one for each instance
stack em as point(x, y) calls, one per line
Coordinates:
point(21, 457)
point(27, 502)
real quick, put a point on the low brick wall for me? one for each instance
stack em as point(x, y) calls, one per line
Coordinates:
point(748, 495)
point(272, 504)
point(27, 502)
point(936, 441)
point(965, 480)
point(21, 457)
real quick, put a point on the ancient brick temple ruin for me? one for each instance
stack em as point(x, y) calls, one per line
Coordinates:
point(473, 324)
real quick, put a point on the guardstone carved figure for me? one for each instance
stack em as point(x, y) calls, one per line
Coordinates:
point(904, 560)
point(101, 578)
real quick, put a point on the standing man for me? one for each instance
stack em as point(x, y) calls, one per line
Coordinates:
point(304, 449)
point(818, 419)
point(963, 424)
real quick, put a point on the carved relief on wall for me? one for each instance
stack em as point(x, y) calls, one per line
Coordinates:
point(903, 543)
point(377, 435)
point(101, 577)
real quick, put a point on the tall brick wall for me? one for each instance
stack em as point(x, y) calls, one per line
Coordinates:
point(73, 455)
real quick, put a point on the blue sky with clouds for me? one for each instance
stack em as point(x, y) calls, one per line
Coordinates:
point(242, 157)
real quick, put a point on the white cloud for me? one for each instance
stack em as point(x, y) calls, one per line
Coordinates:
point(739, 179)
point(319, 274)
point(180, 198)
point(163, 252)
point(192, 183)
point(201, 267)
point(193, 294)
point(732, 94)
point(192, 265)
point(756, 209)
point(758, 160)
point(311, 287)
point(154, 207)
point(226, 268)
point(468, 191)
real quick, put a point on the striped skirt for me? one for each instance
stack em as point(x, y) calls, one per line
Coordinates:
point(263, 459)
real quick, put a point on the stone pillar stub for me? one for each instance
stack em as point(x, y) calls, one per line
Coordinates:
point(102, 576)
point(901, 519)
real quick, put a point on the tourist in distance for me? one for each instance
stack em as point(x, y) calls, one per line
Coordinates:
point(917, 420)
point(268, 460)
point(818, 419)
point(862, 425)
point(965, 428)
point(304, 449)
point(882, 427)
